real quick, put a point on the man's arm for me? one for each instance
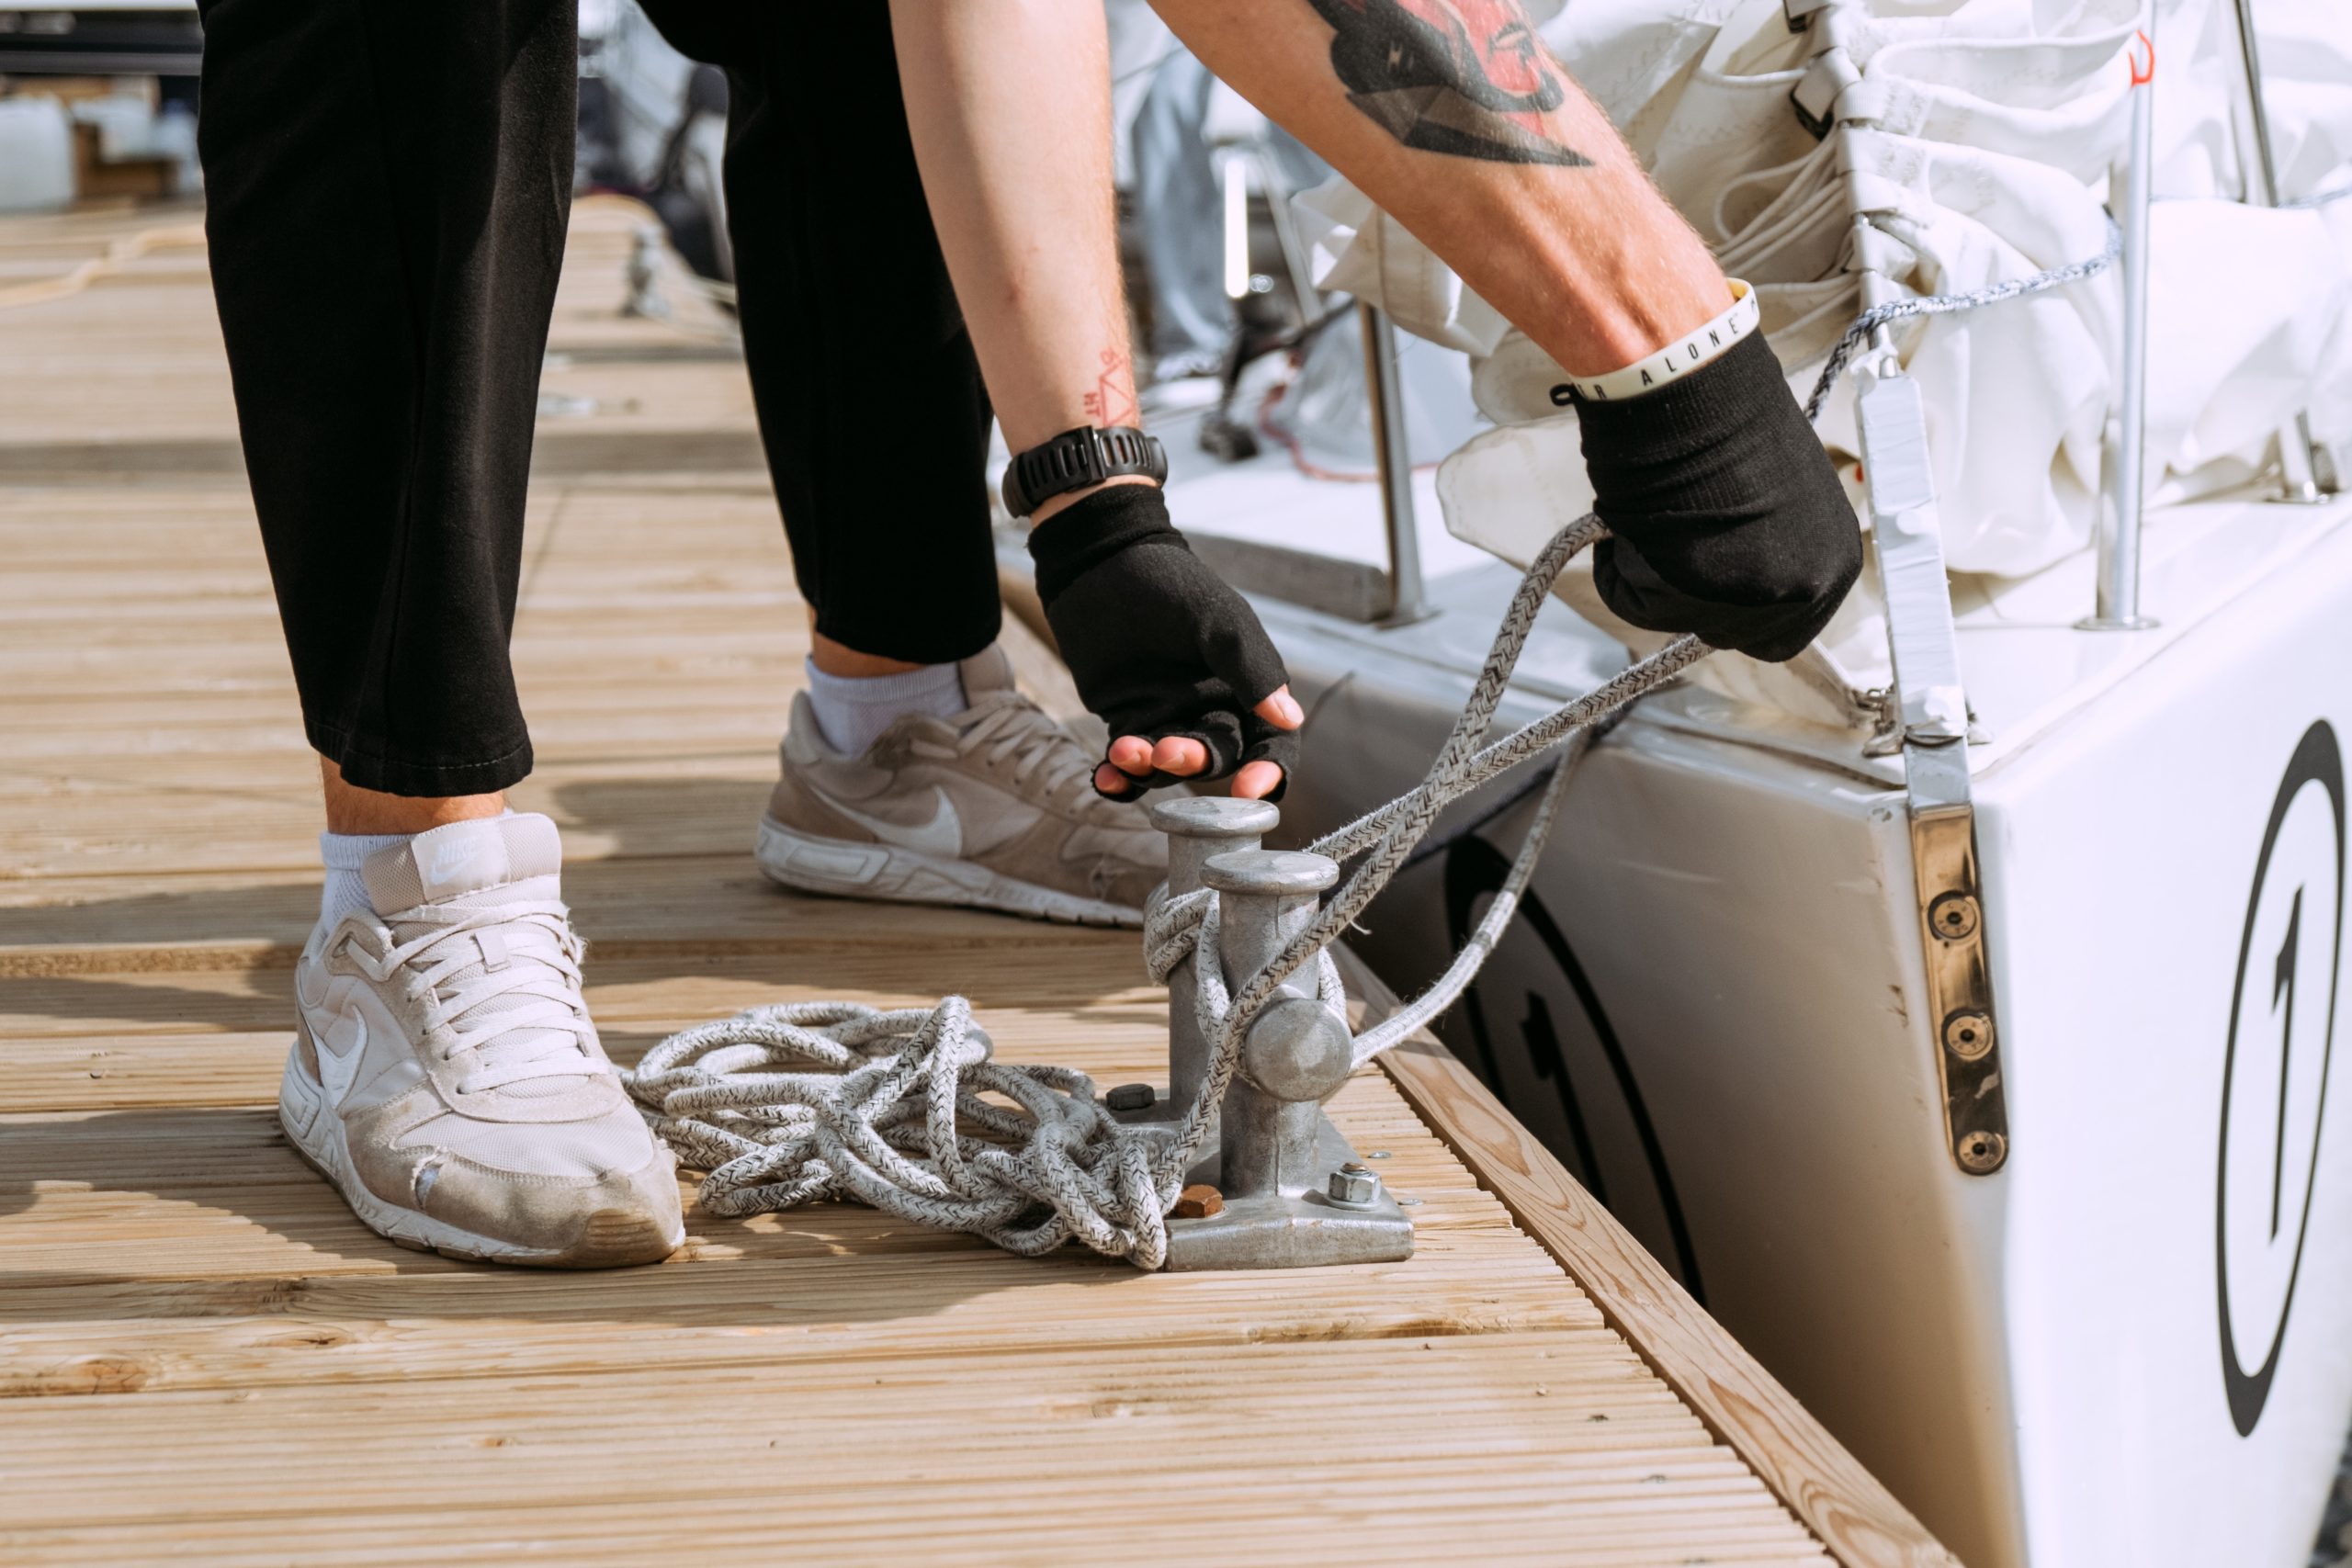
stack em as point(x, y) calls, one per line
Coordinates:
point(1725, 516)
point(1010, 105)
point(1451, 115)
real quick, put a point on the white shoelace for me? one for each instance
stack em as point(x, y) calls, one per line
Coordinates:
point(1012, 726)
point(507, 978)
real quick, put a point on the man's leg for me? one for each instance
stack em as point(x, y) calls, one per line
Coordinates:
point(388, 185)
point(911, 770)
point(386, 190)
point(870, 404)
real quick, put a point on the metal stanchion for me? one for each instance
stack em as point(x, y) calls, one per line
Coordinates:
point(2117, 605)
point(1405, 600)
point(2306, 472)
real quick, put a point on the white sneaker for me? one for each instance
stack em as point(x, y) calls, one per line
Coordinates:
point(994, 808)
point(445, 1076)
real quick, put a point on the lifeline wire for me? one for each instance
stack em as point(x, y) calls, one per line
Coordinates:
point(1895, 310)
point(787, 1105)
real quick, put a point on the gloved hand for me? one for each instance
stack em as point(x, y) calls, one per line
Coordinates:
point(1725, 516)
point(1170, 658)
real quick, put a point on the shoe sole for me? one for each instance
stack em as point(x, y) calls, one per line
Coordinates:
point(612, 1238)
point(809, 862)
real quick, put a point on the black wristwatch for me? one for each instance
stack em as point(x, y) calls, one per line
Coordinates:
point(1077, 458)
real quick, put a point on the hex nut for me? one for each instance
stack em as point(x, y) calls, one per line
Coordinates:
point(1197, 1201)
point(1355, 1188)
point(1131, 1097)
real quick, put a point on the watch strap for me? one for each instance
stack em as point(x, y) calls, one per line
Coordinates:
point(1077, 458)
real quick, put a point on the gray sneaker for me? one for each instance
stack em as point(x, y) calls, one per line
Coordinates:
point(994, 808)
point(446, 1076)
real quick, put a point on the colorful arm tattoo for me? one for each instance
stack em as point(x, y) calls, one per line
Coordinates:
point(1465, 78)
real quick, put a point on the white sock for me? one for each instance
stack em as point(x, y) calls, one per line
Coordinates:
point(854, 710)
point(345, 893)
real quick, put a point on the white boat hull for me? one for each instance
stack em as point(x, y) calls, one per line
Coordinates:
point(2132, 1345)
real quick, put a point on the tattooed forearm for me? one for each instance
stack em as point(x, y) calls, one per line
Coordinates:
point(1466, 77)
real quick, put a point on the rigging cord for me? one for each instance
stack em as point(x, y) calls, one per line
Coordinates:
point(1893, 310)
point(809, 1100)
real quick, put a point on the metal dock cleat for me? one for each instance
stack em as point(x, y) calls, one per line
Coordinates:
point(1199, 829)
point(1293, 1193)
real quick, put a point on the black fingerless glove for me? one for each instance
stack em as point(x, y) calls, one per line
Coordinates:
point(1158, 643)
point(1725, 516)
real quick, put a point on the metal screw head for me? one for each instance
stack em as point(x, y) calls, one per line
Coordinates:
point(1130, 1096)
point(1980, 1152)
point(1352, 1187)
point(1952, 917)
point(1968, 1033)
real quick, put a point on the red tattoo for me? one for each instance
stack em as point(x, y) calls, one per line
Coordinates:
point(1112, 402)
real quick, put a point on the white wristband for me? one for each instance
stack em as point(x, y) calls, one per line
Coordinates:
point(1677, 359)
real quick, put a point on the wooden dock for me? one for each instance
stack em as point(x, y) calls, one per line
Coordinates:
point(203, 1357)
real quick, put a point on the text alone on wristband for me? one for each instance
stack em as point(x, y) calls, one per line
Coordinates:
point(1699, 347)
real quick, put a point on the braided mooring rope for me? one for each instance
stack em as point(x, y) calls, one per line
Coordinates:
point(788, 1105)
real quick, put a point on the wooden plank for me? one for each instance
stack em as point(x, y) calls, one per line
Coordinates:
point(178, 1191)
point(778, 1303)
point(939, 1458)
point(1862, 1523)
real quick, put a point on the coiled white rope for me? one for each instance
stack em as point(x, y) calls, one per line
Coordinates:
point(787, 1105)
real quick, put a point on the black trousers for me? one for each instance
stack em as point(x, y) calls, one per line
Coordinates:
point(388, 185)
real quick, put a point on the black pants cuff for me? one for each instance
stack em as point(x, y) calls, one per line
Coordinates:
point(370, 764)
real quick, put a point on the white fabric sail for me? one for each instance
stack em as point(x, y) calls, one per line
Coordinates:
point(1986, 129)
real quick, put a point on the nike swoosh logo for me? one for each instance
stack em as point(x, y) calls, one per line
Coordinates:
point(339, 1064)
point(942, 836)
point(449, 858)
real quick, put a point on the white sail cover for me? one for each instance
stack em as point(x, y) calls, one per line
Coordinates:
point(1985, 132)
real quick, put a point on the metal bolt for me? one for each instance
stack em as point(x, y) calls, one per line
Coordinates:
point(1968, 1034)
point(1952, 917)
point(1982, 1152)
point(1375, 1154)
point(1353, 1187)
point(1198, 1201)
point(1130, 1096)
